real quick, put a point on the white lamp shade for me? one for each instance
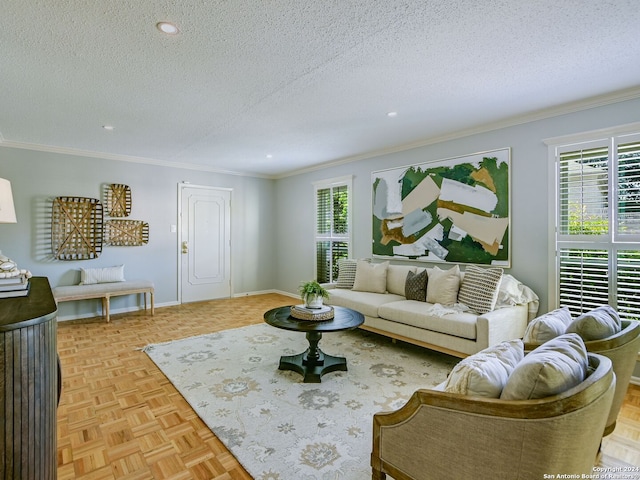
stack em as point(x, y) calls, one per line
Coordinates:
point(7, 210)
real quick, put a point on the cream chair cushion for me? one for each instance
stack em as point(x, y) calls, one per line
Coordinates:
point(552, 368)
point(548, 326)
point(485, 373)
point(599, 323)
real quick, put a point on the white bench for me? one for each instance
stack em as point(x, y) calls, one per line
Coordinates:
point(105, 291)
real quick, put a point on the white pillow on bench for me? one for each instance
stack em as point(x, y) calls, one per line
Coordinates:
point(91, 276)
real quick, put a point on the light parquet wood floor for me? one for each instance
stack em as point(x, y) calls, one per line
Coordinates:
point(119, 417)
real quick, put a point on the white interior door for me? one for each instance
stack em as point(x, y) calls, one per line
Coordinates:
point(205, 243)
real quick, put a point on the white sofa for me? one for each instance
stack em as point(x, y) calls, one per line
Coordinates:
point(444, 328)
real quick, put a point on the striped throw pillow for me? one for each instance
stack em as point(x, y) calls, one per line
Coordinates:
point(479, 288)
point(346, 273)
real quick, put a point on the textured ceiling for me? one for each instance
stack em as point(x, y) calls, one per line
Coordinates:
point(308, 82)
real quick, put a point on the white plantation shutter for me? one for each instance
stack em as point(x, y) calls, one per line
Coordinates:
point(598, 226)
point(583, 192)
point(628, 189)
point(628, 283)
point(584, 278)
point(333, 219)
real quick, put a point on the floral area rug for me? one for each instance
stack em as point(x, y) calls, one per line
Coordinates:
point(280, 428)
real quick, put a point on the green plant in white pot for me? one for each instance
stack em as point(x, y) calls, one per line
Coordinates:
point(313, 294)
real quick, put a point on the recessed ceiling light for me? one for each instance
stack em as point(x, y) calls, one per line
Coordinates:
point(167, 27)
point(108, 127)
point(392, 114)
point(269, 155)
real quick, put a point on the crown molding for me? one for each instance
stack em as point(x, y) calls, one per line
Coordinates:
point(556, 111)
point(122, 158)
point(564, 109)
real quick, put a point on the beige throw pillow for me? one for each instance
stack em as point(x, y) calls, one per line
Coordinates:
point(550, 369)
point(397, 277)
point(371, 277)
point(548, 326)
point(485, 373)
point(443, 286)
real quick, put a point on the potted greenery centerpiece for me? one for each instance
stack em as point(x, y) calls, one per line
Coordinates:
point(312, 294)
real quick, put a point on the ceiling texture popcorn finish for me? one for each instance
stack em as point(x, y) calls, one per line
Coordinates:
point(308, 82)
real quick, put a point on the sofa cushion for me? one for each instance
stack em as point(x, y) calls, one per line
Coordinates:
point(443, 285)
point(397, 277)
point(416, 286)
point(371, 277)
point(479, 288)
point(485, 373)
point(550, 325)
point(599, 323)
point(550, 369)
point(366, 303)
point(427, 316)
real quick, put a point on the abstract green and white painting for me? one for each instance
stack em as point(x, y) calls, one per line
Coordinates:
point(453, 210)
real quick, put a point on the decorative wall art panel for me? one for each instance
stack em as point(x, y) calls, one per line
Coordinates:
point(130, 233)
point(76, 228)
point(454, 210)
point(118, 198)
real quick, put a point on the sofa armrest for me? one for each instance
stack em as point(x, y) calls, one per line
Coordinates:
point(502, 324)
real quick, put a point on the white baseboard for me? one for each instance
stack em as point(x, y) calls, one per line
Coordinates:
point(635, 381)
point(263, 292)
point(98, 313)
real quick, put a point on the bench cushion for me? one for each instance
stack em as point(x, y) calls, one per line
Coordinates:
point(99, 289)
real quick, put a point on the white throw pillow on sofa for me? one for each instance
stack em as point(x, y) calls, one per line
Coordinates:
point(371, 277)
point(485, 373)
point(548, 326)
point(550, 369)
point(443, 286)
point(397, 278)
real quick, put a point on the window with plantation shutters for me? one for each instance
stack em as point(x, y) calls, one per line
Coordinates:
point(333, 231)
point(597, 225)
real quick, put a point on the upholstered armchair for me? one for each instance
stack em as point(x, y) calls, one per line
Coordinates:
point(440, 435)
point(622, 349)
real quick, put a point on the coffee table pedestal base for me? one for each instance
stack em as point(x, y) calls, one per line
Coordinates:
point(313, 363)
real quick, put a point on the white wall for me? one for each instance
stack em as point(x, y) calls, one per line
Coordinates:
point(37, 177)
point(273, 220)
point(529, 193)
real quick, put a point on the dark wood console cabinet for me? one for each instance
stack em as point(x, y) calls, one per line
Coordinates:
point(29, 384)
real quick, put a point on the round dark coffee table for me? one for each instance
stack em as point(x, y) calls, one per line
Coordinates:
point(313, 363)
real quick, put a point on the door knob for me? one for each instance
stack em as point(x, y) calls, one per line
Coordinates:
point(185, 247)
